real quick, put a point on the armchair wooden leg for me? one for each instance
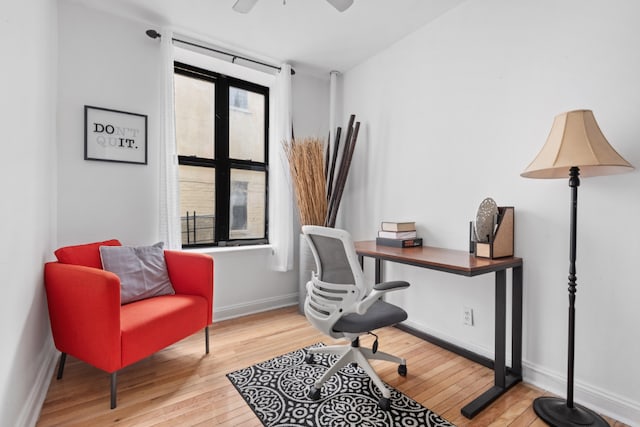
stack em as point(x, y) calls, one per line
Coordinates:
point(206, 339)
point(63, 359)
point(113, 389)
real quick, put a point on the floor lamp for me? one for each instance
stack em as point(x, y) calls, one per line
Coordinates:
point(575, 147)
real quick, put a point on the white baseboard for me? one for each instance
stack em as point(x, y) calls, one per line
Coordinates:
point(30, 412)
point(253, 307)
point(601, 401)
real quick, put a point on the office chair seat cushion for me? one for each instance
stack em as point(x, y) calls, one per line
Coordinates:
point(379, 315)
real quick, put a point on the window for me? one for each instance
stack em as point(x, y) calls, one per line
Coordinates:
point(221, 134)
point(239, 205)
point(238, 98)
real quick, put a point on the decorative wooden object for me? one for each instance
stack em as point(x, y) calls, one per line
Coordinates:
point(501, 242)
point(335, 189)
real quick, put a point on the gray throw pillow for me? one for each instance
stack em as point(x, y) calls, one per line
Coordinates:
point(142, 271)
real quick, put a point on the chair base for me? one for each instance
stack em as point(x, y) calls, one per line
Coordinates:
point(361, 356)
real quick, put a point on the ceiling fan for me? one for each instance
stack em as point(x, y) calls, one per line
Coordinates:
point(245, 6)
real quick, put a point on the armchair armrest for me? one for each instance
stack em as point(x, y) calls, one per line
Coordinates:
point(379, 289)
point(191, 273)
point(84, 309)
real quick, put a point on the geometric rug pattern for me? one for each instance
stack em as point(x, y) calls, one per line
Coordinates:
point(276, 391)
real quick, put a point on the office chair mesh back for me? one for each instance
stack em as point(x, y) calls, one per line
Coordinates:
point(334, 266)
point(332, 290)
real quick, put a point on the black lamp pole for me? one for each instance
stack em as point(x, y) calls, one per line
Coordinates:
point(574, 183)
point(556, 411)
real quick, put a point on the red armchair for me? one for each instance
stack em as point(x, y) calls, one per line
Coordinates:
point(88, 322)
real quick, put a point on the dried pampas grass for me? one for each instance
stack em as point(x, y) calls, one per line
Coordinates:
point(306, 163)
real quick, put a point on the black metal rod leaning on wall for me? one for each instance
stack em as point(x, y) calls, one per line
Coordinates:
point(154, 35)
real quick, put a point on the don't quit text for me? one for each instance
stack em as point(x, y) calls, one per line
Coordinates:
point(115, 136)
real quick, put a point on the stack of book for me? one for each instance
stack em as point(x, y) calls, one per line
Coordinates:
point(398, 234)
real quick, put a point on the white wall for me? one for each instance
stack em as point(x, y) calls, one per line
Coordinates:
point(27, 182)
point(310, 105)
point(108, 61)
point(454, 113)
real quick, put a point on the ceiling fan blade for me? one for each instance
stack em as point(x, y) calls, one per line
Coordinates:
point(341, 5)
point(244, 6)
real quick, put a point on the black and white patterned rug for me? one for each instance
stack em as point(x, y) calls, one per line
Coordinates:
point(276, 390)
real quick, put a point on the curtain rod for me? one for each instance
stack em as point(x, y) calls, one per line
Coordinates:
point(154, 35)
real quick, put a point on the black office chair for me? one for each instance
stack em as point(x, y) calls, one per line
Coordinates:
point(341, 304)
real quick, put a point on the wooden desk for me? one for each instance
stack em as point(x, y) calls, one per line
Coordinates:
point(465, 264)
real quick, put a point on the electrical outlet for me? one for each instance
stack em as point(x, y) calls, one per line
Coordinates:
point(467, 316)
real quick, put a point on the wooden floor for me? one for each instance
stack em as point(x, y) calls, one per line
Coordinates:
point(181, 386)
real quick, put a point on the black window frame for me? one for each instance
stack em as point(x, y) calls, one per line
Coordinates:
point(221, 162)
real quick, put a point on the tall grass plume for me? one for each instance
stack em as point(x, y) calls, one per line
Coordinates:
point(306, 163)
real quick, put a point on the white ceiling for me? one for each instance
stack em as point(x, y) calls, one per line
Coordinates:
point(306, 33)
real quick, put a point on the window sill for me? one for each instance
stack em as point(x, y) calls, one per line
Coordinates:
point(220, 249)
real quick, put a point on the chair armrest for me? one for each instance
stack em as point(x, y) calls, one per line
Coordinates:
point(84, 309)
point(379, 289)
point(390, 286)
point(192, 274)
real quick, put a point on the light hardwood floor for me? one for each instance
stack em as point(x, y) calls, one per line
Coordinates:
point(181, 386)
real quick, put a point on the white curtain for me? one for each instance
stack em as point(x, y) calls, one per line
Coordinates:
point(281, 196)
point(170, 232)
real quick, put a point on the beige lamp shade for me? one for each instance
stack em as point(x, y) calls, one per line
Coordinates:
point(576, 140)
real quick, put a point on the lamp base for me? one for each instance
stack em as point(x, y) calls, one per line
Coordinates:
point(555, 412)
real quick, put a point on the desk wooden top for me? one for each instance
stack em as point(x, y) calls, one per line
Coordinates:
point(449, 260)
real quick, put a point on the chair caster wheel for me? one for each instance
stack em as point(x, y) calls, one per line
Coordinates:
point(402, 370)
point(309, 358)
point(314, 393)
point(384, 404)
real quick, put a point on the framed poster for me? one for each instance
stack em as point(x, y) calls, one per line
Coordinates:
point(114, 136)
